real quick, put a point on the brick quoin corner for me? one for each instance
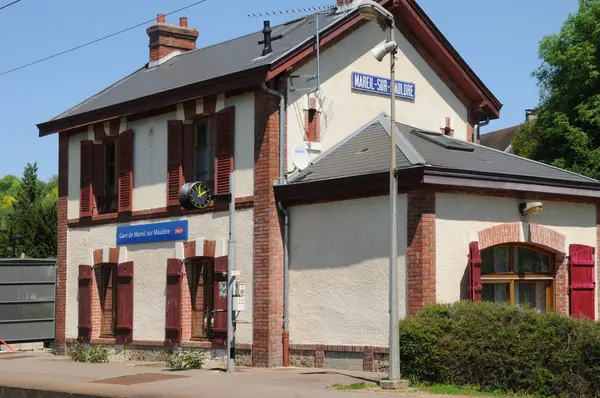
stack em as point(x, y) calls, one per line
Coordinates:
point(420, 249)
point(61, 257)
point(267, 347)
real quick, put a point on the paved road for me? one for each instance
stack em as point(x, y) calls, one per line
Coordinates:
point(45, 371)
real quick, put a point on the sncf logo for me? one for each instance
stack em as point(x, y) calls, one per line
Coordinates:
point(178, 230)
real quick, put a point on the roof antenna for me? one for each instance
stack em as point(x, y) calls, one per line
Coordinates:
point(267, 49)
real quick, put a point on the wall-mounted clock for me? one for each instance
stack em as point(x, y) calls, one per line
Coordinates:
point(195, 195)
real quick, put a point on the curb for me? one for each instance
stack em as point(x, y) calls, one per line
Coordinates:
point(17, 392)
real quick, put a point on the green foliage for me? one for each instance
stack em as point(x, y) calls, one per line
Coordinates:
point(29, 207)
point(499, 347)
point(92, 354)
point(566, 133)
point(186, 360)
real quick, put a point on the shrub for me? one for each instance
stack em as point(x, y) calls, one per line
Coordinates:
point(186, 360)
point(499, 347)
point(92, 354)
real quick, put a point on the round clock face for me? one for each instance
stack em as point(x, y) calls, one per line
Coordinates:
point(200, 196)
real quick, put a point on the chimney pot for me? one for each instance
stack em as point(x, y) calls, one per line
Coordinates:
point(183, 22)
point(160, 18)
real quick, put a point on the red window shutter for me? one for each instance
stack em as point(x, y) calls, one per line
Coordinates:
point(174, 159)
point(475, 286)
point(312, 122)
point(85, 303)
point(125, 301)
point(221, 264)
point(125, 159)
point(98, 174)
point(582, 281)
point(85, 191)
point(173, 310)
point(219, 303)
point(224, 149)
point(188, 152)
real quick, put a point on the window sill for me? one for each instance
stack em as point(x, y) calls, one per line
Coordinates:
point(157, 213)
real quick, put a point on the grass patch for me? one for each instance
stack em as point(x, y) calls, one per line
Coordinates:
point(356, 386)
point(455, 390)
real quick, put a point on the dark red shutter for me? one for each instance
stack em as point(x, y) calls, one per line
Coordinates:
point(173, 310)
point(475, 286)
point(582, 281)
point(125, 301)
point(85, 303)
point(224, 149)
point(312, 122)
point(98, 174)
point(174, 159)
point(85, 191)
point(125, 159)
point(220, 295)
point(188, 152)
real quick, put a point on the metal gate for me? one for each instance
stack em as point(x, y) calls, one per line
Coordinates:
point(27, 300)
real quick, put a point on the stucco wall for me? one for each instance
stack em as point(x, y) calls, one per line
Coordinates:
point(150, 264)
point(339, 263)
point(344, 110)
point(460, 217)
point(150, 156)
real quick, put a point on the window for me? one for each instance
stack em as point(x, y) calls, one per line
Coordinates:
point(106, 196)
point(519, 275)
point(202, 297)
point(108, 300)
point(204, 150)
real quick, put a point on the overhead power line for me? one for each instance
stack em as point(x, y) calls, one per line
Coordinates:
point(9, 4)
point(97, 40)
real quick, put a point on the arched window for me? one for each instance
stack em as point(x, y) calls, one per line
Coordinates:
point(519, 275)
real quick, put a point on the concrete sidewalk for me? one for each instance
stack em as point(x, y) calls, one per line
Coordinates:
point(47, 372)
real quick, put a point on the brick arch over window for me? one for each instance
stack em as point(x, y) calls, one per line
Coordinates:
point(178, 316)
point(522, 232)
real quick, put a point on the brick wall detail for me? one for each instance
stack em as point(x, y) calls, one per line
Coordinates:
point(61, 258)
point(268, 249)
point(561, 292)
point(420, 250)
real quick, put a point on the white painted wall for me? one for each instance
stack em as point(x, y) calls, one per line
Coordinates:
point(339, 263)
point(244, 143)
point(150, 156)
point(150, 161)
point(150, 264)
point(460, 217)
point(343, 110)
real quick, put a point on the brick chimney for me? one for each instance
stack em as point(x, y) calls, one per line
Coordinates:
point(168, 40)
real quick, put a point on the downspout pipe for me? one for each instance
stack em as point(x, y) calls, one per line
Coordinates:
point(286, 258)
point(476, 128)
point(286, 268)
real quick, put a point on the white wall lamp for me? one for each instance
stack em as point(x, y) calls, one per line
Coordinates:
point(530, 208)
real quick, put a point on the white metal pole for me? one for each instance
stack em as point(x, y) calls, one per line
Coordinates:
point(394, 335)
point(230, 278)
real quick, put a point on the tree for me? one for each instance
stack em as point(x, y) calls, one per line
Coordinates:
point(566, 132)
point(35, 215)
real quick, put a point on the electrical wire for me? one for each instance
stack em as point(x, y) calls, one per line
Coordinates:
point(97, 40)
point(9, 4)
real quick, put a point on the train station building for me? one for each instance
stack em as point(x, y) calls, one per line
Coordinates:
point(141, 274)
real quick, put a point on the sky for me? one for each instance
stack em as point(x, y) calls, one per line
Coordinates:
point(498, 39)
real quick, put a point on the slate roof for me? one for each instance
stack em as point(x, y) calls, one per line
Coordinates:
point(499, 139)
point(367, 152)
point(236, 55)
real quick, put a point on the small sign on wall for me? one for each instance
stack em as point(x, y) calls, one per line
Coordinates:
point(149, 233)
point(382, 85)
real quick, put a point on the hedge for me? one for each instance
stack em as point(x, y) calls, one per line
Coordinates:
point(499, 347)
